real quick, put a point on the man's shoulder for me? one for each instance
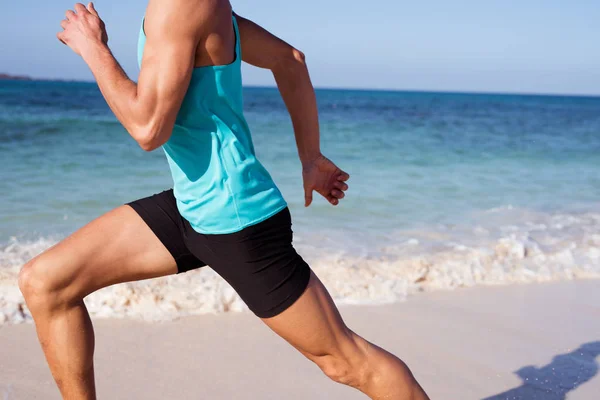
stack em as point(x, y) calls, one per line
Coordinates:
point(192, 8)
point(198, 16)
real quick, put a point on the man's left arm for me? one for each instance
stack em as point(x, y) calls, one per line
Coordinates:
point(265, 50)
point(148, 109)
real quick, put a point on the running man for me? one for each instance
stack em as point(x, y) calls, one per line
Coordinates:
point(224, 210)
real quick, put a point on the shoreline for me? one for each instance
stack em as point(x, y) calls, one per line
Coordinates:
point(550, 248)
point(526, 341)
point(204, 293)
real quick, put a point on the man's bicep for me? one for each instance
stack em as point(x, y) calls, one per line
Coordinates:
point(260, 47)
point(168, 70)
point(167, 63)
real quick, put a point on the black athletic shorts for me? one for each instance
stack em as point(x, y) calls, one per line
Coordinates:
point(259, 262)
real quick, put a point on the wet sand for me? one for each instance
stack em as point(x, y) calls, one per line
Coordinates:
point(529, 342)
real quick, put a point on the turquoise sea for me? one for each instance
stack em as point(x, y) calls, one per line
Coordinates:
point(446, 189)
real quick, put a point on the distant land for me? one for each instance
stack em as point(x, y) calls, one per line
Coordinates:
point(9, 77)
point(15, 77)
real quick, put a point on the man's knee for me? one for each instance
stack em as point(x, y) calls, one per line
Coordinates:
point(39, 286)
point(347, 365)
point(341, 370)
point(30, 282)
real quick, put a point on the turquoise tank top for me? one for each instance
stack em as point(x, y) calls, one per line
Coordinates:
point(219, 184)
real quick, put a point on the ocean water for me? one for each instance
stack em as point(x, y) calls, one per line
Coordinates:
point(446, 190)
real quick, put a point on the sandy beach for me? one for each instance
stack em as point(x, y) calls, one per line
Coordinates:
point(529, 342)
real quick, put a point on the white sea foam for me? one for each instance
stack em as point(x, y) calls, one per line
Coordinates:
point(504, 246)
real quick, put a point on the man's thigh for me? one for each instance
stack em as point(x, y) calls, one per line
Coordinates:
point(116, 247)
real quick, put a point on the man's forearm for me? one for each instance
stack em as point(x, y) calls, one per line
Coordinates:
point(119, 91)
point(297, 91)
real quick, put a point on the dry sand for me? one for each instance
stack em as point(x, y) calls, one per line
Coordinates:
point(528, 342)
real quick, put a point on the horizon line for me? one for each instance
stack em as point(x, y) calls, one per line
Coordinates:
point(405, 90)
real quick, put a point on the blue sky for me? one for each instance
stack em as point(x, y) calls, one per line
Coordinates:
point(531, 46)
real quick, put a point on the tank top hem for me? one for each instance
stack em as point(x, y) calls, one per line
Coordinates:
point(241, 227)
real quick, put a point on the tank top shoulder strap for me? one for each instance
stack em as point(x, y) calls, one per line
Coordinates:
point(238, 44)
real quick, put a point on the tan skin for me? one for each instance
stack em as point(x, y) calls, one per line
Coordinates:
point(182, 34)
